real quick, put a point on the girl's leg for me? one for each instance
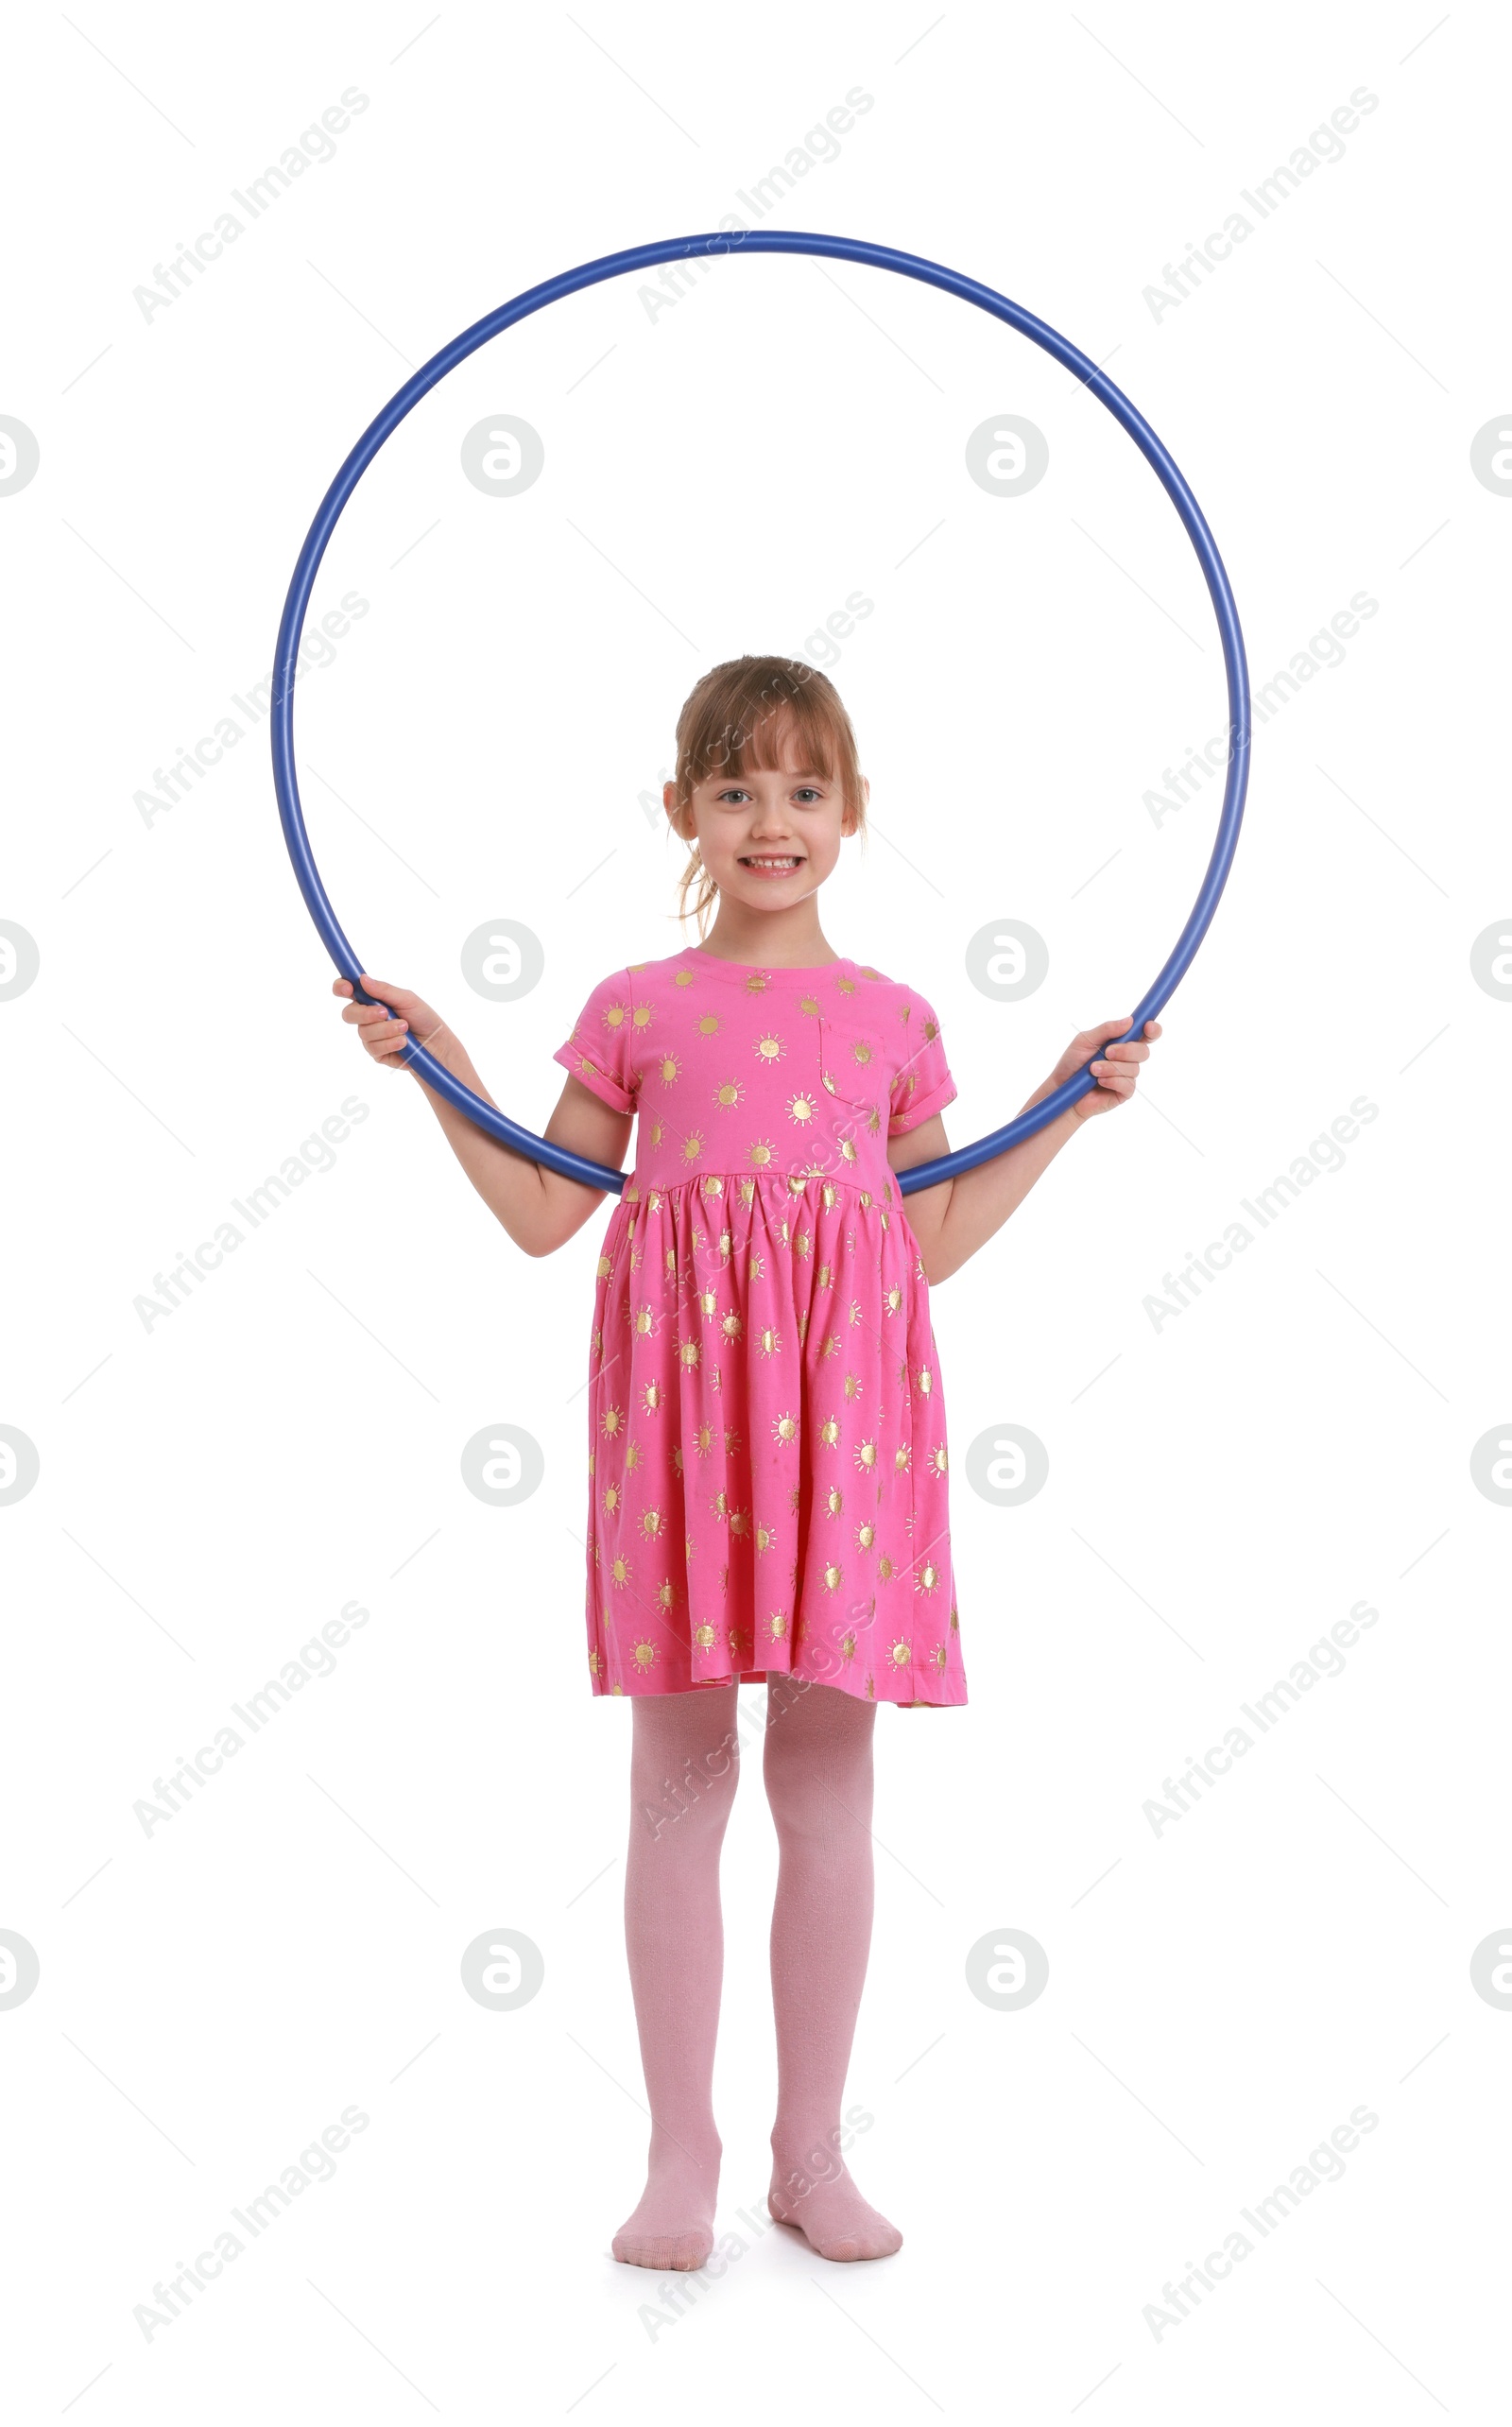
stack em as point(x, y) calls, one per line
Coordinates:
point(818, 1767)
point(684, 1763)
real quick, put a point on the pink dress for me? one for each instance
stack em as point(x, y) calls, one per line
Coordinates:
point(767, 1468)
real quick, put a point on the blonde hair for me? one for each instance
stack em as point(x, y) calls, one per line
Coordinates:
point(732, 721)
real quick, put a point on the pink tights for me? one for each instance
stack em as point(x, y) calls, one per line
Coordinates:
point(817, 1766)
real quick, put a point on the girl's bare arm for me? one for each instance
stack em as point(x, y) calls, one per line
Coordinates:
point(956, 1217)
point(541, 1209)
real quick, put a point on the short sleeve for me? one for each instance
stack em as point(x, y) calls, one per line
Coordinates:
point(598, 1050)
point(925, 1084)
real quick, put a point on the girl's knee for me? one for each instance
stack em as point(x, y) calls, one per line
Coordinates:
point(692, 1785)
point(818, 1790)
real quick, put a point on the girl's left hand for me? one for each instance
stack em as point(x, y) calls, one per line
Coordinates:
point(1115, 1067)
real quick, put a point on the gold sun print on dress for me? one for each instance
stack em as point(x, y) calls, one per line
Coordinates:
point(861, 1053)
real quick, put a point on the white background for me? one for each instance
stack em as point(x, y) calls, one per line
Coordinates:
point(1222, 1489)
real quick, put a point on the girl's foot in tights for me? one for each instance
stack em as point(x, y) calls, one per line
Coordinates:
point(833, 2216)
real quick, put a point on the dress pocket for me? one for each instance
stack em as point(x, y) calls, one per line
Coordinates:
point(858, 1084)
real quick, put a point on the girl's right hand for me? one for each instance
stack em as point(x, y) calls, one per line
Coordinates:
point(385, 1033)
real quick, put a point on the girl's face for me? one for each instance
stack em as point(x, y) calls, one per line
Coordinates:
point(769, 838)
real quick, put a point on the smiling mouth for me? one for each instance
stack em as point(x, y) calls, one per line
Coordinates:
point(773, 863)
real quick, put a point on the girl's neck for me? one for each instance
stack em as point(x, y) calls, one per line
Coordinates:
point(767, 943)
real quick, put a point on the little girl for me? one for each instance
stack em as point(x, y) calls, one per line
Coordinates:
point(767, 1462)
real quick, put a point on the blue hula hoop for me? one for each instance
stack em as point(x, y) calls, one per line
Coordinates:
point(774, 240)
